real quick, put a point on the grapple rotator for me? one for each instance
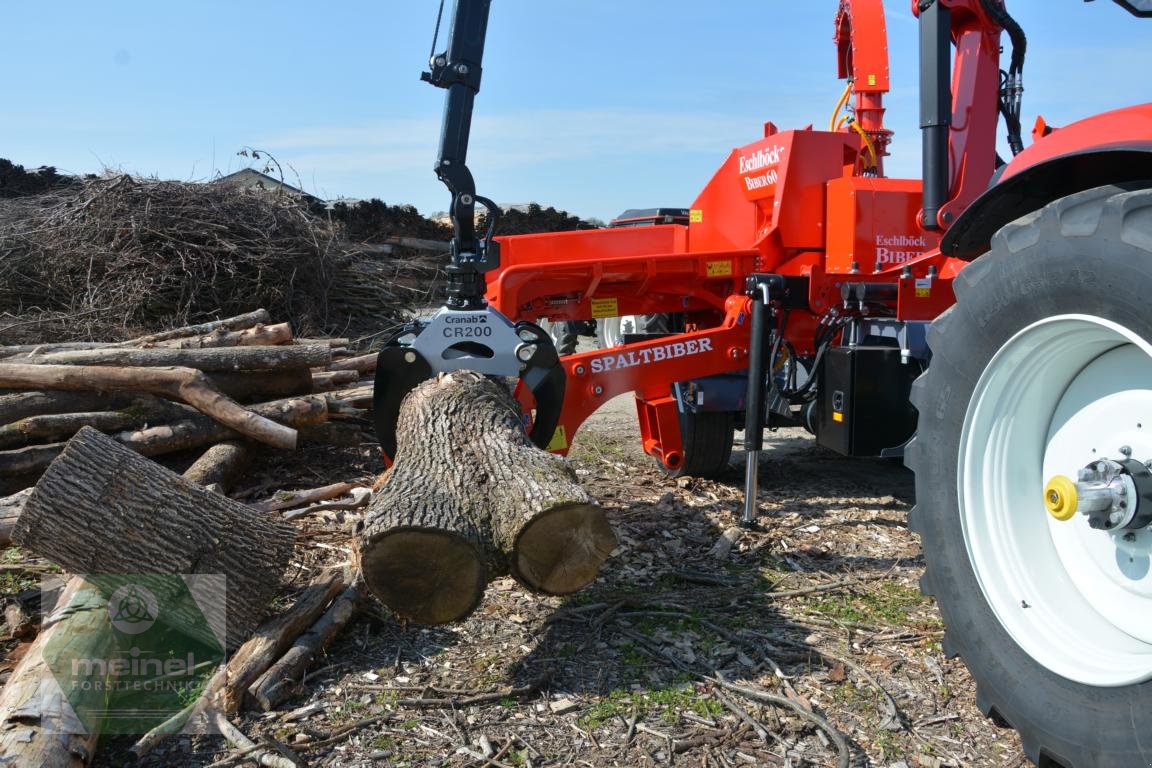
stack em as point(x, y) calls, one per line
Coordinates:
point(466, 333)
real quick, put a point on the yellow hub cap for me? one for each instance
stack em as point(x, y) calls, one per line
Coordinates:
point(1060, 498)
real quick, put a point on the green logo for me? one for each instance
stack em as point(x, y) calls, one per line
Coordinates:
point(132, 650)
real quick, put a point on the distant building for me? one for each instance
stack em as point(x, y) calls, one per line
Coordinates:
point(250, 178)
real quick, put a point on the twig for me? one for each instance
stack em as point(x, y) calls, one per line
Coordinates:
point(844, 754)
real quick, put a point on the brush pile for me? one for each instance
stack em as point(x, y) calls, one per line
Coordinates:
point(181, 390)
point(110, 257)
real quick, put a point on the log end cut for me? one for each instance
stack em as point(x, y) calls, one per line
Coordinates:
point(424, 576)
point(562, 549)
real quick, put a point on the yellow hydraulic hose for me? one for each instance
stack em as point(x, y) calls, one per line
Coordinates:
point(867, 141)
point(840, 105)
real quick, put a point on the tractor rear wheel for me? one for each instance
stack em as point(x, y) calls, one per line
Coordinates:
point(1043, 366)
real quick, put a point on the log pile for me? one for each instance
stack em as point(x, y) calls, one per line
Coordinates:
point(241, 381)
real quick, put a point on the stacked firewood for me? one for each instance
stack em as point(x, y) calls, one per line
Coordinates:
point(226, 386)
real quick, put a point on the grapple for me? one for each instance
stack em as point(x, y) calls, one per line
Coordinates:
point(481, 340)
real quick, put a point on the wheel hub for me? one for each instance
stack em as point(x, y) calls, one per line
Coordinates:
point(1063, 407)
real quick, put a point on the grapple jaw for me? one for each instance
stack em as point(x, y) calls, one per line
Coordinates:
point(481, 340)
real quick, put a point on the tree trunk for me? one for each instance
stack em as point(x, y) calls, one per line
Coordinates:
point(186, 384)
point(10, 509)
point(15, 406)
point(229, 323)
point(257, 336)
point(363, 363)
point(59, 426)
point(100, 508)
point(468, 498)
point(219, 359)
point(247, 386)
point(220, 465)
point(37, 725)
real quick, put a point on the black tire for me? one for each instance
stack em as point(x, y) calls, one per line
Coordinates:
point(565, 335)
point(707, 439)
point(1088, 253)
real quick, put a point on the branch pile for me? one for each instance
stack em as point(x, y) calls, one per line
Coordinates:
point(108, 257)
point(180, 390)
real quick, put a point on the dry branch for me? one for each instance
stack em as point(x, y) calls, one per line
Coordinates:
point(275, 636)
point(186, 384)
point(256, 336)
point(257, 317)
point(283, 678)
point(210, 359)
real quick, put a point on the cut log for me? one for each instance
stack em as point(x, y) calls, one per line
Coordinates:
point(61, 426)
point(15, 406)
point(10, 509)
point(327, 381)
point(38, 726)
point(363, 363)
point(100, 508)
point(247, 386)
point(246, 320)
point(221, 359)
point(194, 431)
point(220, 465)
point(256, 336)
point(468, 498)
point(186, 384)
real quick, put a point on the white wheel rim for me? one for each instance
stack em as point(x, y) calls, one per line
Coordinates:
point(612, 329)
point(1062, 392)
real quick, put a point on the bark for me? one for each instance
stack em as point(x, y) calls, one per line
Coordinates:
point(37, 724)
point(337, 434)
point(290, 499)
point(262, 385)
point(15, 405)
point(275, 636)
point(363, 363)
point(256, 336)
point(186, 384)
point(220, 465)
point(327, 381)
point(10, 509)
point(219, 359)
point(100, 508)
point(283, 678)
point(229, 323)
point(61, 426)
point(469, 497)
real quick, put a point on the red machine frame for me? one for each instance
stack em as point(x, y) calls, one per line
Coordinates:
point(800, 203)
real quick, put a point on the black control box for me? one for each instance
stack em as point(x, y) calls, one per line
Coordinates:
point(863, 401)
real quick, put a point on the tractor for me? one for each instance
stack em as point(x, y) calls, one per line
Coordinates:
point(988, 323)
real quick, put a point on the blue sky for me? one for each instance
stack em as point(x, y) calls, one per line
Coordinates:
point(591, 106)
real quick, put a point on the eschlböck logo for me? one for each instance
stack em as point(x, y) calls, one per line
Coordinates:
point(133, 609)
